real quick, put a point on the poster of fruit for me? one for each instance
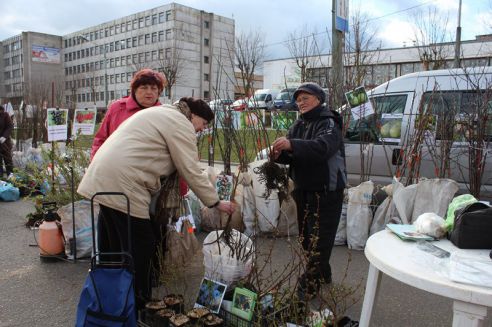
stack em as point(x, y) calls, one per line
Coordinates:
point(359, 103)
point(56, 124)
point(390, 128)
point(84, 122)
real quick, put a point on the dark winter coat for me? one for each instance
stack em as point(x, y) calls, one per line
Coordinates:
point(317, 159)
point(6, 125)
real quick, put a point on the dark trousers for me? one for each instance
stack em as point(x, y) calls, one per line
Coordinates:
point(6, 157)
point(113, 237)
point(318, 215)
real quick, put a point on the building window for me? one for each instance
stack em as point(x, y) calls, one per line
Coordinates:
point(161, 17)
point(168, 15)
point(206, 24)
point(154, 37)
point(140, 22)
point(147, 38)
point(147, 56)
point(206, 94)
point(147, 21)
point(154, 55)
point(154, 19)
point(205, 59)
point(168, 53)
point(135, 24)
point(168, 34)
point(206, 77)
point(205, 42)
point(140, 39)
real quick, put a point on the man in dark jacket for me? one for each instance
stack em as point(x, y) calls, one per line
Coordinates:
point(6, 126)
point(314, 151)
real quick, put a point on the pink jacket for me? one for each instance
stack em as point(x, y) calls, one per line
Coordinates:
point(118, 112)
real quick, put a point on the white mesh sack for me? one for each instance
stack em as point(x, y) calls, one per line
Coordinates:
point(227, 263)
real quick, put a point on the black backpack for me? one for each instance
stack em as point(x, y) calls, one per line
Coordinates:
point(472, 227)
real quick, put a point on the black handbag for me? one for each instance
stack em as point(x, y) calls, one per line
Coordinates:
point(472, 227)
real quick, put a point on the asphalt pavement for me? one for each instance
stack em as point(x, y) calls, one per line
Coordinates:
point(35, 293)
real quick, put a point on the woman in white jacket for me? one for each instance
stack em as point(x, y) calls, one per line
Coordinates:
point(152, 143)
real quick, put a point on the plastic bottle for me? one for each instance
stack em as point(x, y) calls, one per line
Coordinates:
point(50, 240)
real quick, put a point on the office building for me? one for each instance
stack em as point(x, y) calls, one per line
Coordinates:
point(95, 65)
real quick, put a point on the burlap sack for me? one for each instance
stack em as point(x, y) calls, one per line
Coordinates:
point(181, 246)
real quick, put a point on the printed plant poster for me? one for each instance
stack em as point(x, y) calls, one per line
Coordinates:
point(359, 103)
point(56, 123)
point(84, 122)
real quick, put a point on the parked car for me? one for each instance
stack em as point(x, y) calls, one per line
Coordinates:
point(220, 104)
point(284, 100)
point(451, 98)
point(263, 99)
point(240, 104)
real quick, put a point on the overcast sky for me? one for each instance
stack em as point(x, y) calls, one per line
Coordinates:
point(274, 18)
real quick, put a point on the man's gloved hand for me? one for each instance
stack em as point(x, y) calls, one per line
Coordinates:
point(2, 139)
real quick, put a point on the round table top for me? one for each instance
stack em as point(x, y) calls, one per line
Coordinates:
point(404, 261)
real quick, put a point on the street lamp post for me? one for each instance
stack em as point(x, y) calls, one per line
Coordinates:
point(457, 45)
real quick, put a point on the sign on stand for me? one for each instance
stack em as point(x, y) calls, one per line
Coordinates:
point(84, 122)
point(359, 103)
point(56, 124)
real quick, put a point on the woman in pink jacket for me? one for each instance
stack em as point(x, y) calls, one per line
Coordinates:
point(146, 86)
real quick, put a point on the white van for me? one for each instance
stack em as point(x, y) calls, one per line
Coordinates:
point(263, 99)
point(450, 106)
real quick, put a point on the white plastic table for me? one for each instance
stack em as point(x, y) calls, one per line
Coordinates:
point(398, 259)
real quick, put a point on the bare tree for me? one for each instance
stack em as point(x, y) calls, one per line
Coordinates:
point(360, 49)
point(249, 53)
point(303, 48)
point(430, 36)
point(171, 65)
point(37, 93)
